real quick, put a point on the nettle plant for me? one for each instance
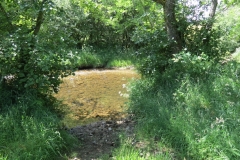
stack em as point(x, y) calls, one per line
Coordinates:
point(34, 51)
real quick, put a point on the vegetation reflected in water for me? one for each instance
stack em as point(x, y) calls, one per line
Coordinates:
point(94, 95)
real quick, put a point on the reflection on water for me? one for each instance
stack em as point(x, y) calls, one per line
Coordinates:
point(94, 95)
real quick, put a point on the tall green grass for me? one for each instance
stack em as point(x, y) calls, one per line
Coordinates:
point(197, 117)
point(127, 151)
point(30, 128)
point(104, 58)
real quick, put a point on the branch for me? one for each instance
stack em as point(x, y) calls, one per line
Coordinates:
point(213, 9)
point(214, 4)
point(39, 19)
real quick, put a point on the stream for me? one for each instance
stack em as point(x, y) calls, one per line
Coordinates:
point(95, 95)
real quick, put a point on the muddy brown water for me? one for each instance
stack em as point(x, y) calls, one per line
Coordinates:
point(93, 95)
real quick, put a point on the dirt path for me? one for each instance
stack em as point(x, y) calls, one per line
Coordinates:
point(100, 138)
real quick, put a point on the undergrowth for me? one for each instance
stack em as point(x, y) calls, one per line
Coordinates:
point(30, 129)
point(189, 114)
point(90, 57)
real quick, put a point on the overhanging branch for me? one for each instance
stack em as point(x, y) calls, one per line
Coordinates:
point(39, 19)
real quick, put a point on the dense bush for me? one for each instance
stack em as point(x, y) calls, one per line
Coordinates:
point(35, 46)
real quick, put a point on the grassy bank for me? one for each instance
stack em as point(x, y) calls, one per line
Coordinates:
point(30, 122)
point(29, 127)
point(186, 116)
point(104, 58)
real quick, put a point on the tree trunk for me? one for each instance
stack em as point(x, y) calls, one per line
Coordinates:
point(210, 21)
point(213, 9)
point(214, 4)
point(39, 19)
point(173, 34)
point(26, 48)
point(171, 26)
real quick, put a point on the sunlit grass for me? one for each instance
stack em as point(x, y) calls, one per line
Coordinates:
point(104, 58)
point(128, 150)
point(194, 117)
point(119, 63)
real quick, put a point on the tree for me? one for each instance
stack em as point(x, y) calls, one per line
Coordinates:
point(105, 23)
point(30, 52)
point(173, 25)
point(180, 26)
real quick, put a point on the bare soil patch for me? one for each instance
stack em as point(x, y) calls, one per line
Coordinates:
point(98, 139)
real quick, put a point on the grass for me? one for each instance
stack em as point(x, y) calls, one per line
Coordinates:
point(29, 129)
point(30, 125)
point(178, 116)
point(129, 151)
point(104, 58)
point(189, 117)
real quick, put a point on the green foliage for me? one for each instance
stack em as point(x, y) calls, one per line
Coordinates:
point(196, 116)
point(195, 104)
point(90, 57)
point(128, 151)
point(231, 2)
point(32, 56)
point(228, 23)
point(110, 23)
point(152, 53)
point(199, 39)
point(155, 58)
point(194, 28)
point(30, 129)
point(187, 63)
point(102, 23)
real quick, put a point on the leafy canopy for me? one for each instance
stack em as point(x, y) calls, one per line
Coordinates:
point(35, 48)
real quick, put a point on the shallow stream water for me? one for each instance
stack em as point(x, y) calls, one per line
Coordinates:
point(93, 95)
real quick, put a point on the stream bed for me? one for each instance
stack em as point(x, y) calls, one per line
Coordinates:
point(95, 95)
